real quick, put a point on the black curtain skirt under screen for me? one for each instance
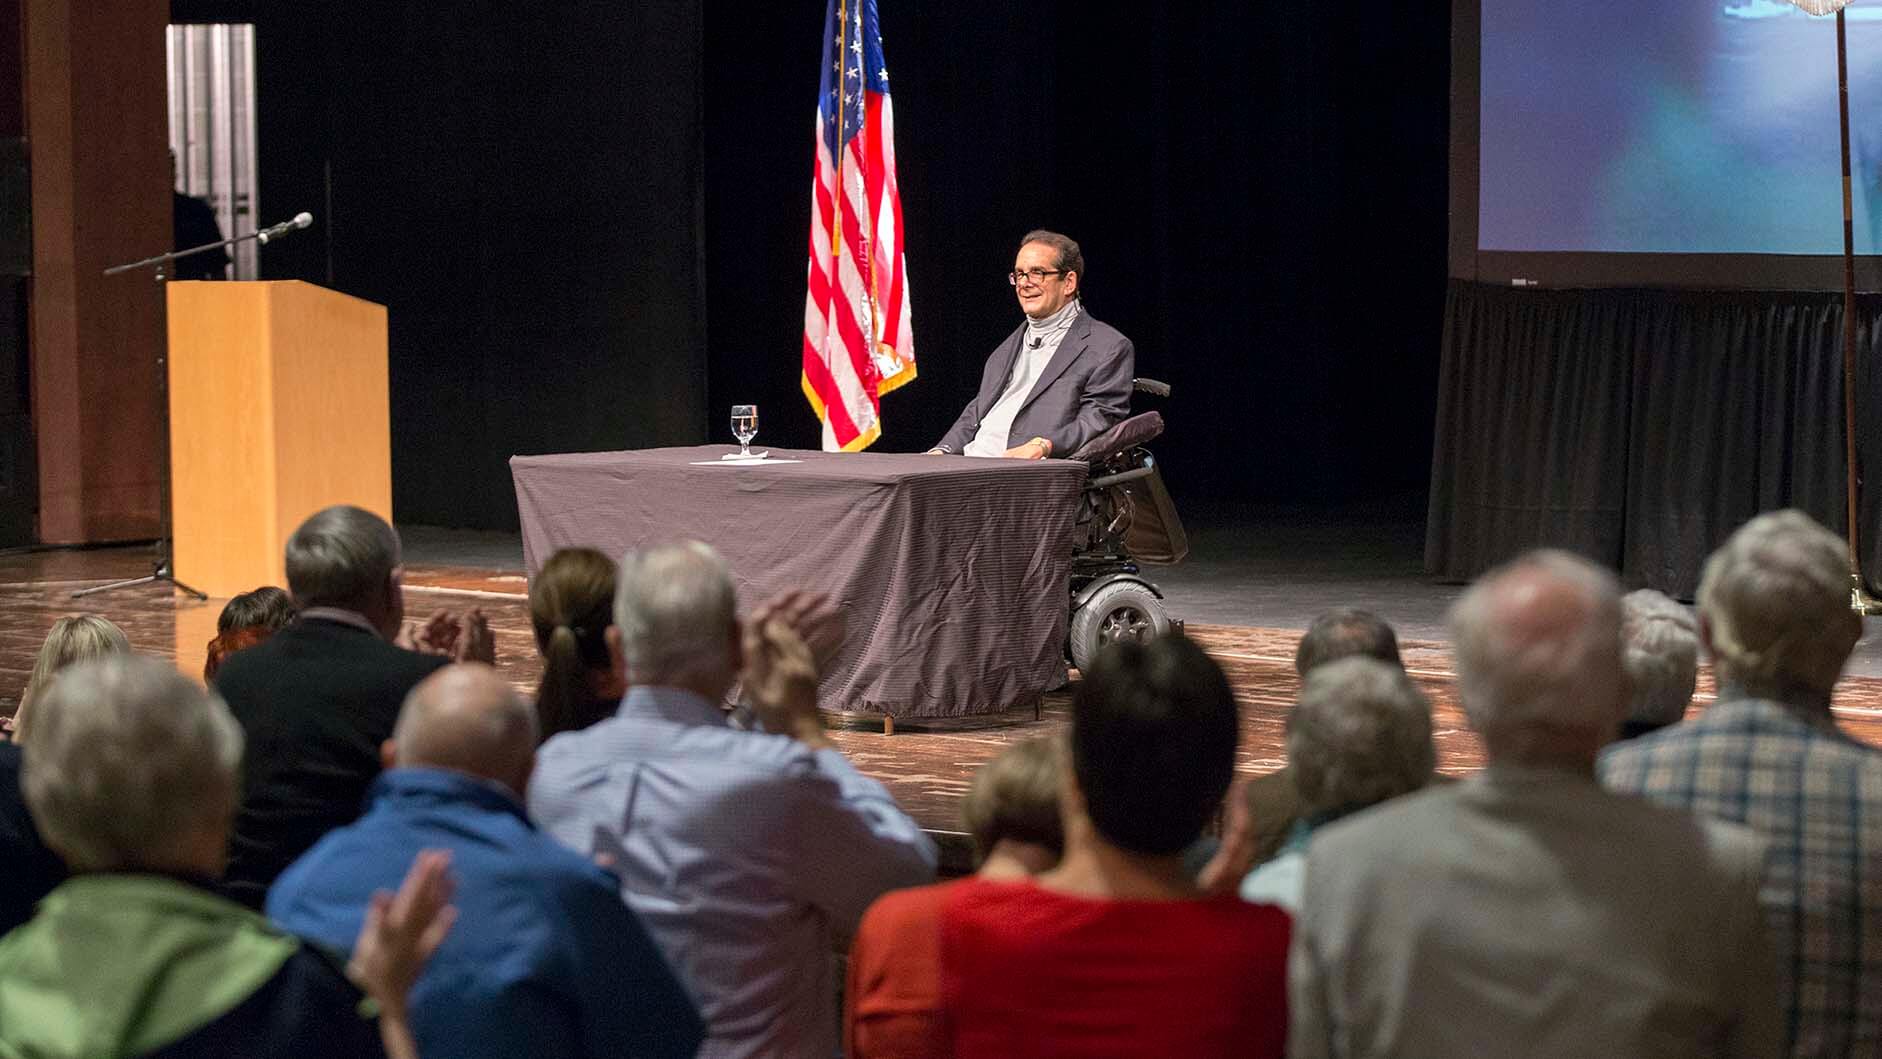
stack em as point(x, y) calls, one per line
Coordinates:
point(1641, 427)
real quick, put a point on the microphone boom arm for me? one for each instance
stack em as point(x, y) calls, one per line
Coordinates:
point(301, 220)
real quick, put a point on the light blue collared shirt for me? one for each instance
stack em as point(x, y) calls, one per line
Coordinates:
point(745, 854)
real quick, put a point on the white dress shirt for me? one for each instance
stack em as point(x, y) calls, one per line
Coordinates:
point(991, 440)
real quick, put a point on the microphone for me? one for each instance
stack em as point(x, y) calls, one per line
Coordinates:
point(1037, 342)
point(301, 220)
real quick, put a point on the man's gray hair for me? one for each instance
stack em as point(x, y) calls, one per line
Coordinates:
point(126, 760)
point(1538, 644)
point(677, 609)
point(1660, 652)
point(1360, 733)
point(1775, 597)
point(340, 557)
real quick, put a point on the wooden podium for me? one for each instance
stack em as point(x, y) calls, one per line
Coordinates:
point(277, 409)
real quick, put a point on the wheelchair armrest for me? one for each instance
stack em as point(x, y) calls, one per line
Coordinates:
point(1137, 430)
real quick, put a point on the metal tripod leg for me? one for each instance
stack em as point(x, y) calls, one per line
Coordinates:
point(160, 574)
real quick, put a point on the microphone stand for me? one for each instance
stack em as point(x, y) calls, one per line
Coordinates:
point(262, 236)
point(161, 572)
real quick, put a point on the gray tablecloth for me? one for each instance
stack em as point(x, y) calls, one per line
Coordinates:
point(953, 572)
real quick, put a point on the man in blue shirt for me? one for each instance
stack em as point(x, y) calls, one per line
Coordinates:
point(544, 959)
point(748, 854)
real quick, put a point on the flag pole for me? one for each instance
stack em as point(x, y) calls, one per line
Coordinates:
point(1859, 598)
point(868, 263)
point(842, 137)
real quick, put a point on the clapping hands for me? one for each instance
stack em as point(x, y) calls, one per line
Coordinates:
point(461, 637)
point(786, 643)
point(813, 616)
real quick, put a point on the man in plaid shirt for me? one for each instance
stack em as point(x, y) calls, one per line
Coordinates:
point(1774, 618)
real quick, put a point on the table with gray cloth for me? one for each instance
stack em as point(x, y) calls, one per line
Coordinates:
point(952, 572)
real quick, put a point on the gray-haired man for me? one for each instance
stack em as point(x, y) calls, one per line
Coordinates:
point(745, 853)
point(317, 698)
point(1774, 617)
point(1526, 911)
point(1660, 650)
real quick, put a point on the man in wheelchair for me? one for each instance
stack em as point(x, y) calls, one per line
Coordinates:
point(1058, 381)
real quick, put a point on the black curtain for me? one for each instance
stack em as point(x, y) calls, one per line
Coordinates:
point(521, 187)
point(1640, 427)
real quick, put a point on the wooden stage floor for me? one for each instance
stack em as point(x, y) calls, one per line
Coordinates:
point(928, 771)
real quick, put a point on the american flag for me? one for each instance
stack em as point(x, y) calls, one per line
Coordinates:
point(857, 343)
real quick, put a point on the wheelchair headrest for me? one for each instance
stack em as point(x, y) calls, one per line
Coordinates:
point(1137, 430)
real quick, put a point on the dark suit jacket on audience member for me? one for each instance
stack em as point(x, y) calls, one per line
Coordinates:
point(315, 701)
point(1084, 390)
point(28, 870)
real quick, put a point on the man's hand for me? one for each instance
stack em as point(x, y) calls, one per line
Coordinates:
point(1036, 449)
point(813, 616)
point(460, 637)
point(780, 678)
point(435, 637)
point(475, 642)
point(401, 932)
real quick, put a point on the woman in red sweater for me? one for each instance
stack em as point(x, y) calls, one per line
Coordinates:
point(1114, 952)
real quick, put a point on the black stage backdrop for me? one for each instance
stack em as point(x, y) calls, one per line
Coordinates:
point(589, 219)
point(1640, 427)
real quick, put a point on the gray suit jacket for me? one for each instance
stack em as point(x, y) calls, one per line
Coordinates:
point(1527, 912)
point(1084, 390)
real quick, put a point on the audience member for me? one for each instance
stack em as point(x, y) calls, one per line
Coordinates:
point(266, 607)
point(1115, 951)
point(28, 869)
point(571, 606)
point(1012, 811)
point(72, 639)
point(318, 697)
point(1775, 620)
point(246, 620)
point(1360, 734)
point(546, 960)
point(1660, 651)
point(1345, 633)
point(131, 772)
point(1525, 910)
point(746, 853)
point(1273, 807)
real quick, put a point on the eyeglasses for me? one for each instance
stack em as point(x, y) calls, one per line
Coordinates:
point(1033, 275)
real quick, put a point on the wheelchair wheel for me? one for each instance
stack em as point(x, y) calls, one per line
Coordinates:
point(1123, 611)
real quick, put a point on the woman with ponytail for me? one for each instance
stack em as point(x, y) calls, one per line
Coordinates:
point(571, 605)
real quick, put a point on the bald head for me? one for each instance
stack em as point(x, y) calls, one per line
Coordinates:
point(468, 719)
point(1539, 657)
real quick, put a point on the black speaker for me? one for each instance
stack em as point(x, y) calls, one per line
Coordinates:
point(16, 209)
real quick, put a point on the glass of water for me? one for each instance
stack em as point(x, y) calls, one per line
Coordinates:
point(744, 427)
